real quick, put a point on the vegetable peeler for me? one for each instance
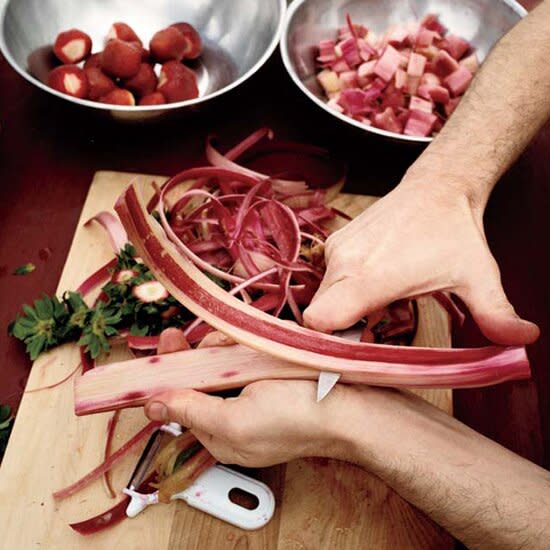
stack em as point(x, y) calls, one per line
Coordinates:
point(219, 491)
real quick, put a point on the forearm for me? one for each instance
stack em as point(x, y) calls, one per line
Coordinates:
point(480, 492)
point(507, 103)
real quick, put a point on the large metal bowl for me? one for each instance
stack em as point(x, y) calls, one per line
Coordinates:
point(238, 35)
point(481, 22)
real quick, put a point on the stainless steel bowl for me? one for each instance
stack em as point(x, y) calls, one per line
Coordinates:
point(238, 35)
point(481, 22)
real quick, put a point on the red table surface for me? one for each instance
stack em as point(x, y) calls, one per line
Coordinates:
point(50, 150)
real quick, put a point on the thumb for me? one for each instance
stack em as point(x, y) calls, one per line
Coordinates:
point(192, 409)
point(343, 303)
point(495, 315)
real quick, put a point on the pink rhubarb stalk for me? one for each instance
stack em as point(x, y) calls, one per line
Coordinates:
point(131, 383)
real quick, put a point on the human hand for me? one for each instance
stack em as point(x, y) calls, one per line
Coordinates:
point(415, 241)
point(269, 423)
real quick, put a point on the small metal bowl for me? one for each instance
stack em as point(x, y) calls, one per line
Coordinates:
point(238, 38)
point(481, 22)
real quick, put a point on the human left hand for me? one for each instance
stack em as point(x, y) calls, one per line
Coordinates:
point(270, 422)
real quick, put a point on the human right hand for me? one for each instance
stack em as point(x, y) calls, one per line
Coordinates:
point(415, 241)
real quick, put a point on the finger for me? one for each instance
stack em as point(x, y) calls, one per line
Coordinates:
point(345, 302)
point(192, 409)
point(495, 315)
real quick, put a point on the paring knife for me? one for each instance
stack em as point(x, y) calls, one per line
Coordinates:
point(327, 380)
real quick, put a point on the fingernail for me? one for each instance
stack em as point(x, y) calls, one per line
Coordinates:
point(157, 411)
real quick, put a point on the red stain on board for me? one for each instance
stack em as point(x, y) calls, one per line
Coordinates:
point(229, 373)
point(154, 360)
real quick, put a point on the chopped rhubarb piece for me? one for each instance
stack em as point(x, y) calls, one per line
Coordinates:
point(394, 100)
point(397, 36)
point(340, 66)
point(366, 69)
point(458, 81)
point(451, 105)
point(437, 126)
point(400, 79)
point(470, 62)
point(374, 90)
point(349, 79)
point(439, 94)
point(412, 84)
point(420, 104)
point(350, 52)
point(326, 48)
point(388, 121)
point(333, 104)
point(405, 56)
point(431, 22)
point(416, 65)
point(387, 64)
point(420, 123)
point(455, 45)
point(429, 52)
point(425, 37)
point(445, 64)
point(353, 101)
point(366, 51)
point(430, 79)
point(329, 81)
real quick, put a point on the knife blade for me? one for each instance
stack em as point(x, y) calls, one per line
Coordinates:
point(327, 381)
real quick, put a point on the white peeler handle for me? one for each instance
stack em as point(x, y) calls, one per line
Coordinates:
point(210, 493)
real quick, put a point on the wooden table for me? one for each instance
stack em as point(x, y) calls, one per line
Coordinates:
point(49, 152)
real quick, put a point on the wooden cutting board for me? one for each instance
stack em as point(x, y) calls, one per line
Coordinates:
point(320, 504)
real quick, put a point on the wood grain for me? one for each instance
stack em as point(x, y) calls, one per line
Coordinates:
point(320, 504)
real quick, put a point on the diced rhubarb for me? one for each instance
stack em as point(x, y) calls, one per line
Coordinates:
point(350, 52)
point(420, 123)
point(470, 62)
point(451, 105)
point(340, 66)
point(395, 100)
point(398, 35)
point(333, 104)
point(326, 49)
point(429, 52)
point(430, 79)
point(431, 22)
point(329, 81)
point(374, 90)
point(349, 80)
point(366, 51)
point(366, 69)
point(455, 45)
point(425, 37)
point(353, 101)
point(388, 121)
point(439, 94)
point(412, 84)
point(417, 103)
point(416, 65)
point(445, 64)
point(458, 81)
point(405, 56)
point(365, 73)
point(400, 79)
point(388, 63)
